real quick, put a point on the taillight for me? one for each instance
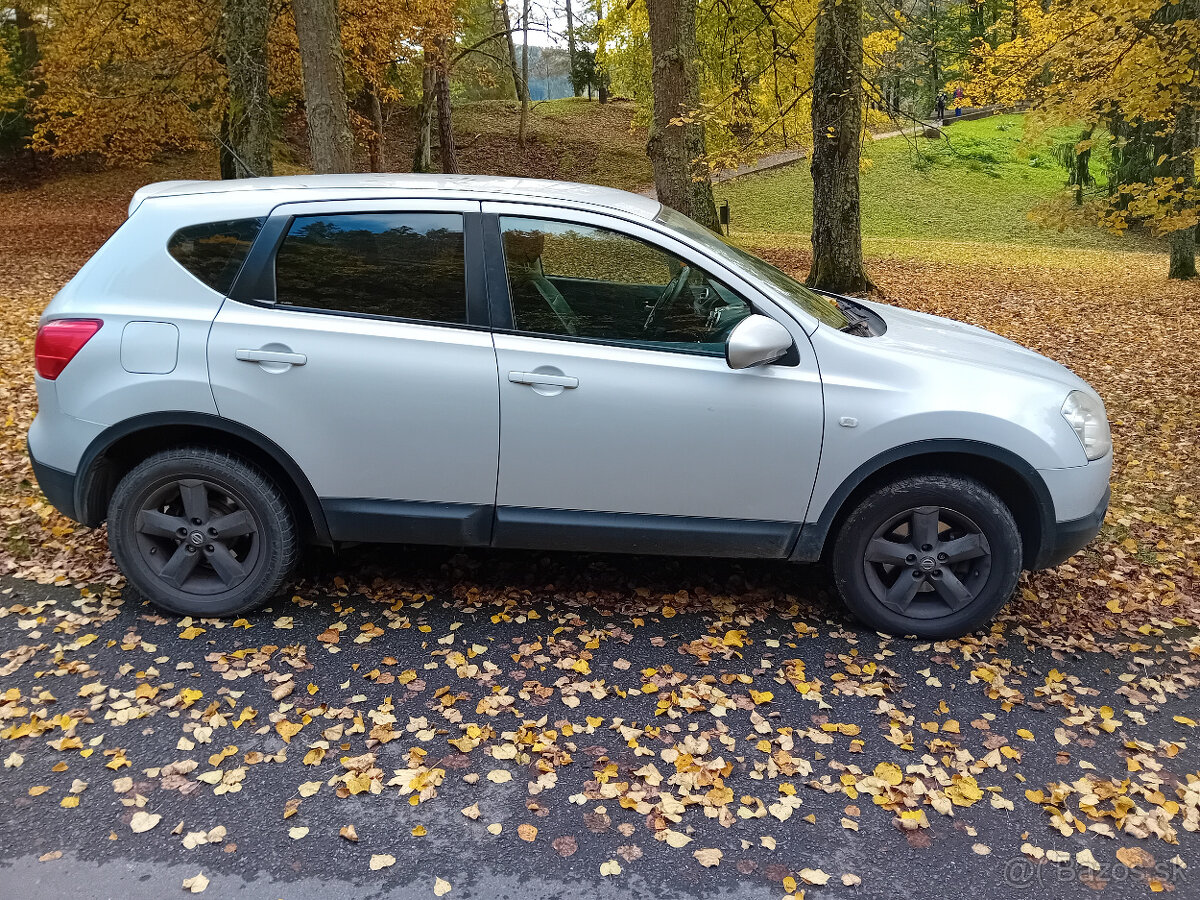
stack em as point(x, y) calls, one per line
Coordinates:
point(58, 341)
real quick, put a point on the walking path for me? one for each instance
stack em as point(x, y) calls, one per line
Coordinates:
point(789, 157)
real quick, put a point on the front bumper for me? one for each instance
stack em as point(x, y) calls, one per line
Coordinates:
point(57, 485)
point(1068, 538)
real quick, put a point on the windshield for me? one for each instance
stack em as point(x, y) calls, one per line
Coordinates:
point(820, 308)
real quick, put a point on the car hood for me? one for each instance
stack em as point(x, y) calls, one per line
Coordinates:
point(939, 338)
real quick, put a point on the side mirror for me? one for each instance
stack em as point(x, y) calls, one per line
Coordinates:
point(756, 341)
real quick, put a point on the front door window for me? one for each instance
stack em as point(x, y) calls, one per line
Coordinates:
point(581, 281)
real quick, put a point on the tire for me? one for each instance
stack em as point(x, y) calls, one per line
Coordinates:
point(899, 576)
point(200, 532)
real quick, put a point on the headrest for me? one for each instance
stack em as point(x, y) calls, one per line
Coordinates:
point(524, 248)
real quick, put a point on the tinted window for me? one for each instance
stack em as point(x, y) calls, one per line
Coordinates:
point(405, 265)
point(214, 251)
point(579, 281)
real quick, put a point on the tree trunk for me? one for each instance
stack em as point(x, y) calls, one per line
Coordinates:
point(375, 142)
point(423, 157)
point(837, 131)
point(524, 76)
point(575, 87)
point(249, 121)
point(329, 139)
point(600, 74)
point(1183, 167)
point(518, 91)
point(677, 151)
point(449, 152)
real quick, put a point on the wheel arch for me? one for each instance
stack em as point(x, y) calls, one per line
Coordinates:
point(1014, 480)
point(120, 447)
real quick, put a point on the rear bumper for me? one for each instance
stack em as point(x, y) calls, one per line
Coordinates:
point(1068, 538)
point(57, 485)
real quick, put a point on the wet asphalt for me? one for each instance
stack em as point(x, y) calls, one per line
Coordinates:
point(94, 854)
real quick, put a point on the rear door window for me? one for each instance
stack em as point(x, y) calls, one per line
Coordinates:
point(214, 251)
point(400, 265)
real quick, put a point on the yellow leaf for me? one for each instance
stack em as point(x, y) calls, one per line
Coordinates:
point(889, 772)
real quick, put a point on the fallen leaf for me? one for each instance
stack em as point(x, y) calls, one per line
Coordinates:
point(196, 884)
point(143, 821)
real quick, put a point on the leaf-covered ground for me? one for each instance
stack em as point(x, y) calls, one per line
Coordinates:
point(475, 724)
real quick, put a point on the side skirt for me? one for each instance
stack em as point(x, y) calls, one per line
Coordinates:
point(607, 532)
point(362, 519)
point(468, 525)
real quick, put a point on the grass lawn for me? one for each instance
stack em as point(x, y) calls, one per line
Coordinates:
point(975, 186)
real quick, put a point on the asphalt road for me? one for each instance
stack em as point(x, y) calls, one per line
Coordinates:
point(505, 640)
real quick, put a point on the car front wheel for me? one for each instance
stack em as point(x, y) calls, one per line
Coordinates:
point(931, 555)
point(201, 532)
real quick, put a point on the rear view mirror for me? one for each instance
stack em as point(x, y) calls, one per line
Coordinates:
point(756, 341)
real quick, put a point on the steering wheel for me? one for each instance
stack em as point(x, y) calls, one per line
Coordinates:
point(667, 299)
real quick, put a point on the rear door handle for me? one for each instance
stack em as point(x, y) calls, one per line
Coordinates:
point(566, 381)
point(271, 356)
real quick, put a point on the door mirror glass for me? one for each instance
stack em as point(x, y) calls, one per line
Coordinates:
point(756, 341)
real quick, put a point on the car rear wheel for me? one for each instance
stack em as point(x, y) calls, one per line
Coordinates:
point(201, 532)
point(931, 555)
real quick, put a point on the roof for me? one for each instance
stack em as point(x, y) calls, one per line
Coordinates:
point(477, 186)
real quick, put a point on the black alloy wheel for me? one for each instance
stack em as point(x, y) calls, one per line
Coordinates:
point(927, 562)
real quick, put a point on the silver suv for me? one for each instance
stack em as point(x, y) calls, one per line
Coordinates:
point(248, 366)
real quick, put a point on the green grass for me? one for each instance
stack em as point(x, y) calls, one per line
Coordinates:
point(975, 186)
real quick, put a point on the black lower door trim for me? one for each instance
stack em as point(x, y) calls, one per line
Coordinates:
point(408, 521)
point(608, 532)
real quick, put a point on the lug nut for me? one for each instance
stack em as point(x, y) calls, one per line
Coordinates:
point(195, 521)
point(911, 558)
point(208, 548)
point(942, 557)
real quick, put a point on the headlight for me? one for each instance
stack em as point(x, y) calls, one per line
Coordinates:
point(1085, 414)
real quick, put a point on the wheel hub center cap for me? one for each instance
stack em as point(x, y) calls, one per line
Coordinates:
point(928, 564)
point(196, 538)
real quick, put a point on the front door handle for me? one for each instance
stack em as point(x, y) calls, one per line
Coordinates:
point(565, 381)
point(271, 356)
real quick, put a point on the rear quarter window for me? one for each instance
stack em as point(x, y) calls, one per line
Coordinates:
point(214, 251)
